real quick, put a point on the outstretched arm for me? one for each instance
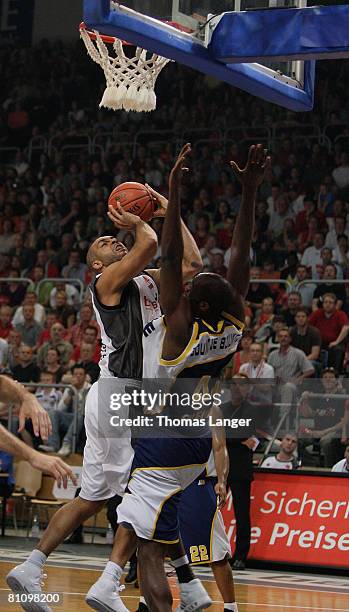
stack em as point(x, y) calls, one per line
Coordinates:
point(172, 244)
point(251, 177)
point(192, 261)
point(52, 465)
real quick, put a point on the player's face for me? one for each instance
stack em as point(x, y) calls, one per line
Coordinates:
point(109, 250)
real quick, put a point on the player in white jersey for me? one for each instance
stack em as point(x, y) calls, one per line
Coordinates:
point(196, 338)
point(124, 300)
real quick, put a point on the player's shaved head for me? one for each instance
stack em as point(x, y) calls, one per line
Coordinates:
point(105, 251)
point(210, 295)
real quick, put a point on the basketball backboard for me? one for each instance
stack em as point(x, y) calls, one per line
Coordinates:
point(142, 22)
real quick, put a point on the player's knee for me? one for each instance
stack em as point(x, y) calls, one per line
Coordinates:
point(86, 508)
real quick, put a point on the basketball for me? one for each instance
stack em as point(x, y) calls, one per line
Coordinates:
point(134, 198)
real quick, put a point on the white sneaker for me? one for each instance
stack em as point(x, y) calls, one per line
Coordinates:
point(46, 449)
point(104, 595)
point(27, 578)
point(193, 597)
point(65, 450)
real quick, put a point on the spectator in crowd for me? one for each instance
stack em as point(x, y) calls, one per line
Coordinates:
point(312, 255)
point(306, 337)
point(271, 337)
point(53, 365)
point(281, 213)
point(4, 352)
point(266, 314)
point(86, 320)
point(39, 311)
point(51, 318)
point(5, 321)
point(26, 370)
point(30, 330)
point(14, 292)
point(241, 356)
point(330, 274)
point(305, 291)
point(63, 418)
point(72, 295)
point(328, 260)
point(332, 236)
point(50, 223)
point(294, 301)
point(341, 172)
point(14, 341)
point(291, 368)
point(257, 291)
point(261, 392)
point(90, 335)
point(343, 465)
point(86, 360)
point(285, 459)
point(43, 289)
point(65, 313)
point(48, 397)
point(327, 413)
point(74, 268)
point(333, 325)
point(341, 253)
point(56, 341)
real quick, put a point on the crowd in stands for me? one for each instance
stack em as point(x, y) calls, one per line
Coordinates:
point(53, 204)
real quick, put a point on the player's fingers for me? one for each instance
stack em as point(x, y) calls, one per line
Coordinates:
point(185, 150)
point(251, 155)
point(267, 164)
point(259, 153)
point(44, 425)
point(21, 421)
point(66, 469)
point(35, 422)
point(235, 168)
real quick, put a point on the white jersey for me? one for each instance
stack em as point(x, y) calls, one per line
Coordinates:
point(275, 464)
point(121, 327)
point(207, 352)
point(341, 466)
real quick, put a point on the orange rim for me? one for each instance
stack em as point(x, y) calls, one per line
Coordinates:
point(110, 39)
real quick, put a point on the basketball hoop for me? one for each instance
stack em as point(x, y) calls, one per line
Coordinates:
point(130, 81)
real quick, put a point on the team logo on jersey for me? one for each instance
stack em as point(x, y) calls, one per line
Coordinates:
point(149, 328)
point(150, 304)
point(148, 282)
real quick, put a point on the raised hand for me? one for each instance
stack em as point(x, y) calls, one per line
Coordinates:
point(122, 219)
point(258, 162)
point(178, 168)
point(161, 201)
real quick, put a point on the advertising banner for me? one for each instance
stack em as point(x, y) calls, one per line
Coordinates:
point(297, 518)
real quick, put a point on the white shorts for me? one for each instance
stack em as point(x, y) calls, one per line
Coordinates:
point(107, 460)
point(162, 469)
point(205, 541)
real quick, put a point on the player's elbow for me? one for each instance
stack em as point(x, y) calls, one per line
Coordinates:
point(151, 246)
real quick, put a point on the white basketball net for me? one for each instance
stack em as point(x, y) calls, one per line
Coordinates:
point(130, 81)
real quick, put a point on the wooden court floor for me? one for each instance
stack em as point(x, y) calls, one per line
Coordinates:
point(73, 583)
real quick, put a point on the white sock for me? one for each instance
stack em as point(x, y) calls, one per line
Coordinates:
point(180, 561)
point(37, 557)
point(231, 606)
point(113, 569)
point(142, 600)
